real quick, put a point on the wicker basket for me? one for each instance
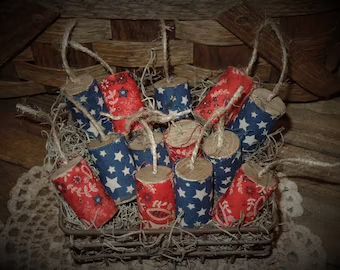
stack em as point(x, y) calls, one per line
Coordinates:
point(207, 242)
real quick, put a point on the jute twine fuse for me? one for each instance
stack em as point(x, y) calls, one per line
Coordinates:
point(153, 147)
point(165, 50)
point(218, 113)
point(73, 78)
point(284, 58)
point(302, 161)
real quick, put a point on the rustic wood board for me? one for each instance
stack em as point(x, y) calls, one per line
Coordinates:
point(52, 76)
point(292, 92)
point(185, 9)
point(21, 142)
point(85, 31)
point(49, 55)
point(140, 30)
point(243, 21)
point(208, 32)
point(312, 130)
point(20, 22)
point(195, 74)
point(137, 54)
point(20, 89)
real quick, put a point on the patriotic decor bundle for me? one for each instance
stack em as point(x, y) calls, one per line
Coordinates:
point(181, 175)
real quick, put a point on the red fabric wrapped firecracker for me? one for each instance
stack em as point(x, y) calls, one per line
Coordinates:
point(123, 99)
point(245, 197)
point(84, 193)
point(219, 95)
point(156, 197)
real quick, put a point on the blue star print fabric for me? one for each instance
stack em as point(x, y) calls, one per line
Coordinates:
point(224, 171)
point(173, 99)
point(93, 101)
point(144, 157)
point(194, 200)
point(116, 169)
point(252, 126)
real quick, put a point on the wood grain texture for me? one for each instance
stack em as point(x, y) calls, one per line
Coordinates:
point(20, 22)
point(137, 54)
point(292, 92)
point(139, 30)
point(49, 55)
point(85, 31)
point(195, 74)
point(185, 9)
point(208, 32)
point(52, 76)
point(220, 57)
point(312, 130)
point(20, 89)
point(311, 75)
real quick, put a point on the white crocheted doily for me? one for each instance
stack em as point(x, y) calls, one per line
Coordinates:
point(31, 238)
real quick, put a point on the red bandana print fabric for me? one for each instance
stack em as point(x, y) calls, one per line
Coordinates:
point(244, 199)
point(177, 153)
point(122, 98)
point(85, 195)
point(219, 95)
point(156, 203)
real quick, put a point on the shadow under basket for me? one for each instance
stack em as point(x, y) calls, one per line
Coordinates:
point(123, 244)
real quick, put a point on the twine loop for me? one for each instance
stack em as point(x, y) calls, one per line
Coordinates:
point(284, 58)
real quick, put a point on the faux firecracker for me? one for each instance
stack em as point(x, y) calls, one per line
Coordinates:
point(257, 119)
point(84, 193)
point(173, 96)
point(246, 196)
point(194, 192)
point(226, 160)
point(180, 138)
point(140, 149)
point(156, 197)
point(123, 99)
point(86, 91)
point(219, 95)
point(116, 167)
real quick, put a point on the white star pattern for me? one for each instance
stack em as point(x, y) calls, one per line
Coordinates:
point(223, 190)
point(201, 212)
point(102, 153)
point(262, 124)
point(159, 104)
point(265, 132)
point(197, 224)
point(181, 192)
point(250, 140)
point(160, 90)
point(92, 130)
point(253, 114)
point(187, 184)
point(96, 88)
point(183, 224)
point(80, 122)
point(173, 98)
point(200, 194)
point(184, 100)
point(126, 171)
point(130, 189)
point(226, 170)
point(94, 158)
point(112, 183)
point(93, 112)
point(225, 182)
point(243, 124)
point(83, 99)
point(238, 154)
point(119, 156)
point(100, 102)
point(167, 160)
point(111, 170)
point(135, 157)
point(131, 160)
point(191, 206)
